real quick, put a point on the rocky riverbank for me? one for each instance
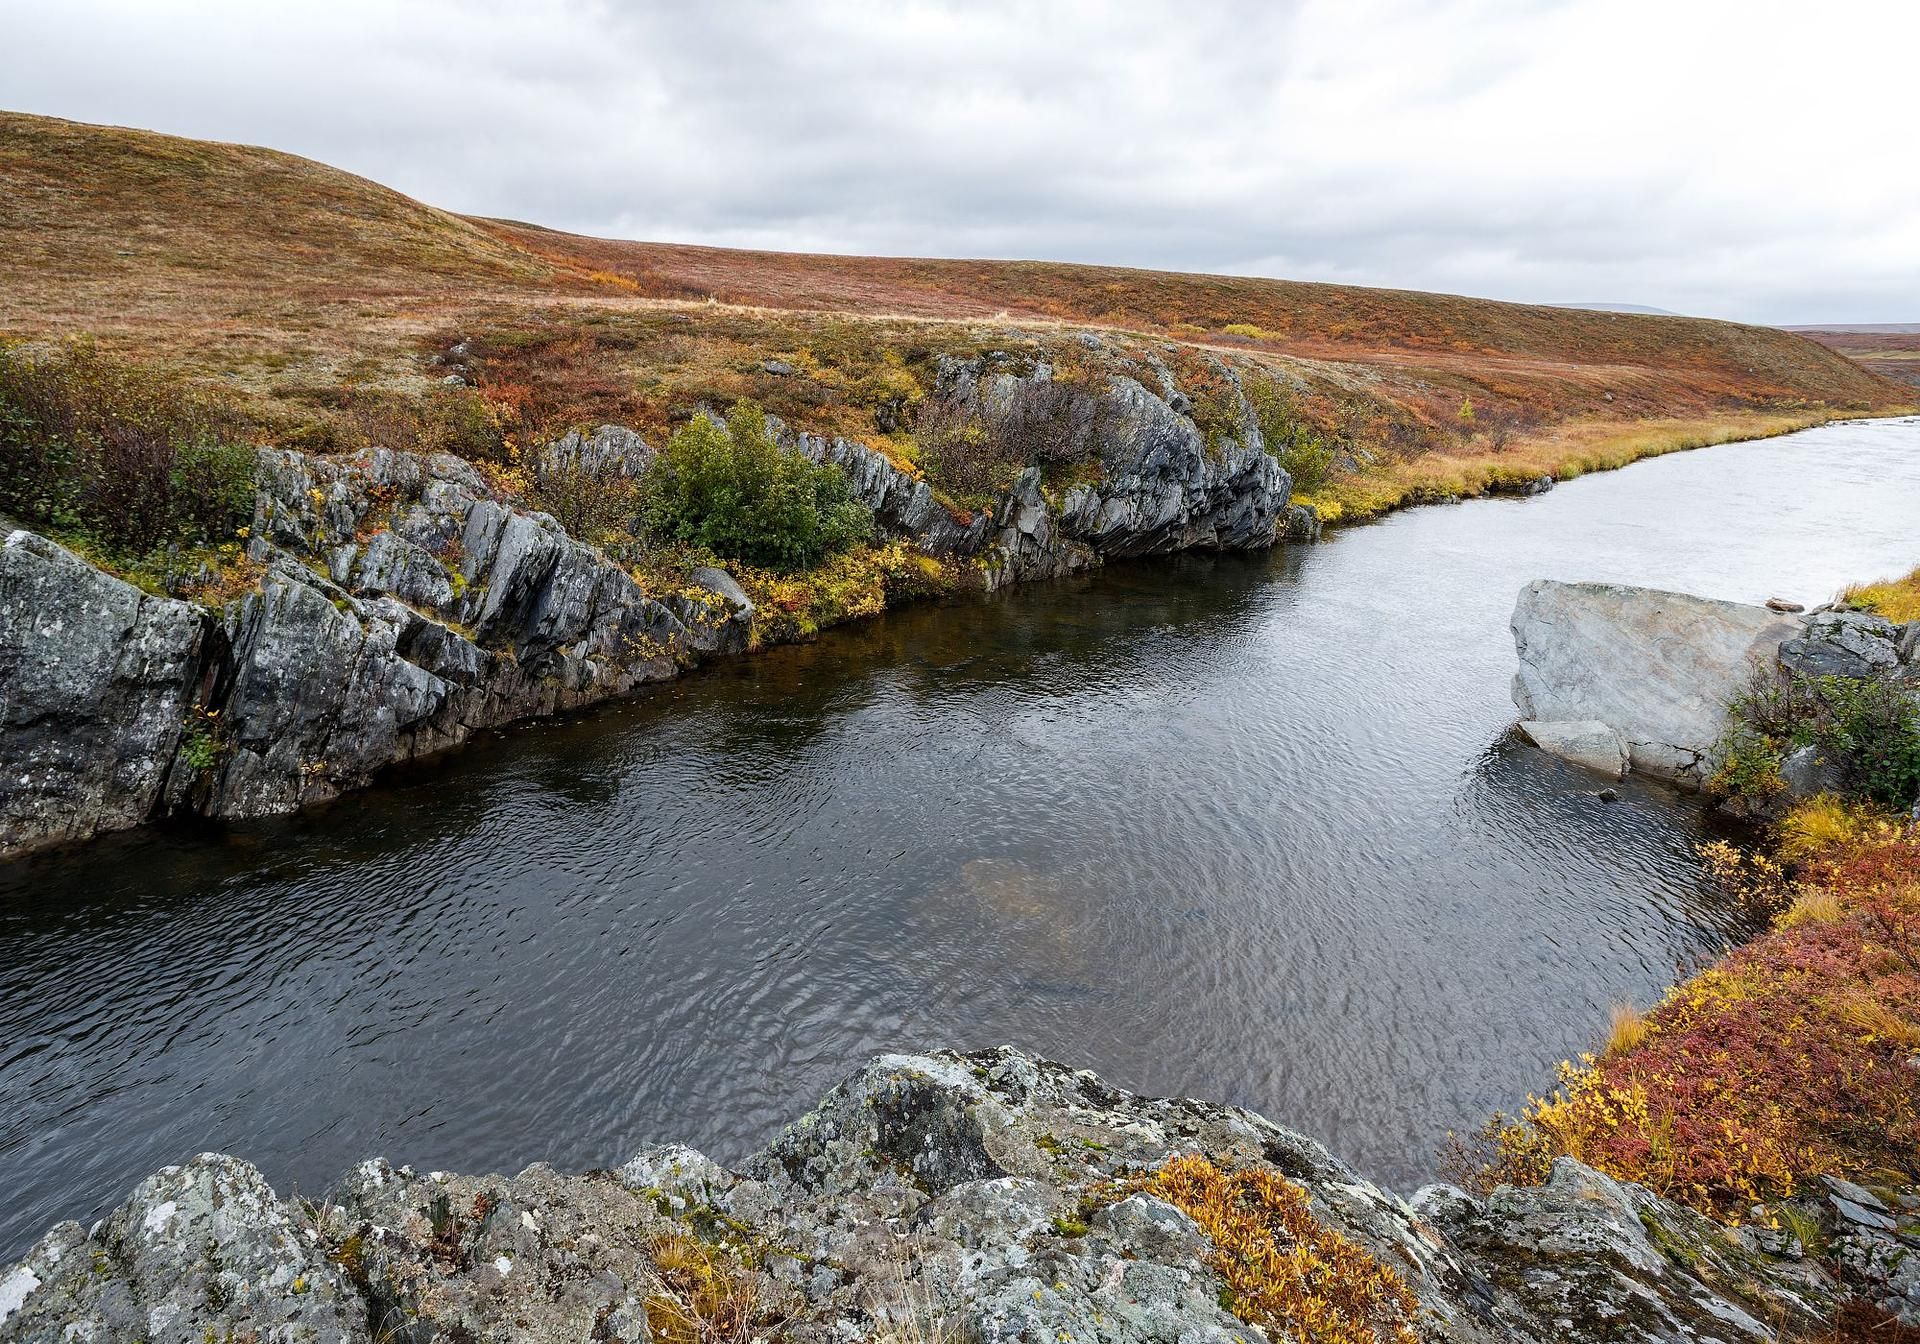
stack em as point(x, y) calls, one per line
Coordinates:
point(1613, 677)
point(403, 603)
point(991, 1196)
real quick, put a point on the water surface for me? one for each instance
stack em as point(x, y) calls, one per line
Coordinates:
point(1247, 827)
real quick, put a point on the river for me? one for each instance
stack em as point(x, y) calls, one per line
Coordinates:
point(1249, 828)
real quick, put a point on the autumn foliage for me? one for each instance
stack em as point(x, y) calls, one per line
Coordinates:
point(1794, 1056)
point(1286, 1271)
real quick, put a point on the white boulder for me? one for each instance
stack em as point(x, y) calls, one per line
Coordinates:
point(1657, 668)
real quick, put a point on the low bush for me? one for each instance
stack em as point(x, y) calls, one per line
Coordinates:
point(117, 458)
point(1285, 1270)
point(1786, 1060)
point(975, 447)
point(861, 582)
point(727, 487)
point(1867, 728)
point(1307, 454)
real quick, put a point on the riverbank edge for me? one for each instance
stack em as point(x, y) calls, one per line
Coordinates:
point(1029, 547)
point(1561, 453)
point(990, 1196)
point(1777, 1086)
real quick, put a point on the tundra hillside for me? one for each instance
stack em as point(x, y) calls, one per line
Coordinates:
point(323, 301)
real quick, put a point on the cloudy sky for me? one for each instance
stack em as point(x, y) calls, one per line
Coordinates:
point(1745, 158)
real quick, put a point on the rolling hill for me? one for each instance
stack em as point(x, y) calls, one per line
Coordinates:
point(297, 284)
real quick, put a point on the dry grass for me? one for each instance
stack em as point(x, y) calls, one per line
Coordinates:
point(1626, 1030)
point(1563, 451)
point(1896, 599)
point(1285, 1271)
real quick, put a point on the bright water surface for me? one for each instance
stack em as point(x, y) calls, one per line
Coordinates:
point(1246, 828)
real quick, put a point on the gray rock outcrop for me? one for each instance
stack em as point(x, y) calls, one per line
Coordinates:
point(993, 1196)
point(1658, 668)
point(401, 607)
point(96, 681)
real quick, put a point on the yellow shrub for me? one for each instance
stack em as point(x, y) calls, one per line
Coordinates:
point(1825, 823)
point(1286, 1271)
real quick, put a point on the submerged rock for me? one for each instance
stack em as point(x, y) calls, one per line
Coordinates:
point(991, 1195)
point(1587, 743)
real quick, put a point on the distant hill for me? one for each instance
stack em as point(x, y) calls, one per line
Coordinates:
point(286, 278)
point(1617, 308)
point(1891, 349)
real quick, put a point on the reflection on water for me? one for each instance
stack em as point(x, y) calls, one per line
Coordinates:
point(1241, 827)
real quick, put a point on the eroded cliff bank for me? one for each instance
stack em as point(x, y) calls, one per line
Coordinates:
point(402, 603)
point(992, 1196)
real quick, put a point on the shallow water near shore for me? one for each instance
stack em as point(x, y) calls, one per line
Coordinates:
point(1247, 828)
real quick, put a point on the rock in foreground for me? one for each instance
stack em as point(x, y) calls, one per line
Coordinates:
point(991, 1195)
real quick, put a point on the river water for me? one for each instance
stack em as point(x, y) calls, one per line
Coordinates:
point(1248, 828)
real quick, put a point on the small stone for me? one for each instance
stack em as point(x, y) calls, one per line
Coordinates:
point(453, 380)
point(779, 368)
point(1782, 604)
point(1608, 795)
point(1857, 1194)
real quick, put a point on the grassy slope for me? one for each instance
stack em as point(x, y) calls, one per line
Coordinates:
point(284, 278)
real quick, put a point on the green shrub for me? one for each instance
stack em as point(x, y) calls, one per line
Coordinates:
point(1871, 727)
point(118, 456)
point(1306, 453)
point(726, 486)
point(1868, 727)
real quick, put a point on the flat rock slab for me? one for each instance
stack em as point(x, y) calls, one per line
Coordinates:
point(1659, 668)
point(1587, 743)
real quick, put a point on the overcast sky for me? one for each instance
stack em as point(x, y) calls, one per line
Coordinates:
point(1745, 159)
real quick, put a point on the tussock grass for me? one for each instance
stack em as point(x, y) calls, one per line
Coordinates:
point(1896, 599)
point(1564, 452)
point(1627, 1029)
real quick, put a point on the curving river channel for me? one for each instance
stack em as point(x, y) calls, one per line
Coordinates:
point(1246, 828)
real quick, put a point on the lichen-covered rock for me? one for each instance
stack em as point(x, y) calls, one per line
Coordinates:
point(1616, 1262)
point(902, 503)
point(1844, 644)
point(1659, 668)
point(203, 1251)
point(611, 451)
point(96, 678)
point(991, 1195)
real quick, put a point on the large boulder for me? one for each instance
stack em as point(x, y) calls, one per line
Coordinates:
point(202, 1251)
point(1658, 668)
point(96, 681)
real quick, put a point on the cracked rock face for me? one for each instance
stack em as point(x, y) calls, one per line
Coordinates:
point(96, 678)
point(400, 609)
point(988, 1193)
point(1160, 488)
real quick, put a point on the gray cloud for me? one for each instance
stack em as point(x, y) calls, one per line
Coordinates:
point(1732, 159)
